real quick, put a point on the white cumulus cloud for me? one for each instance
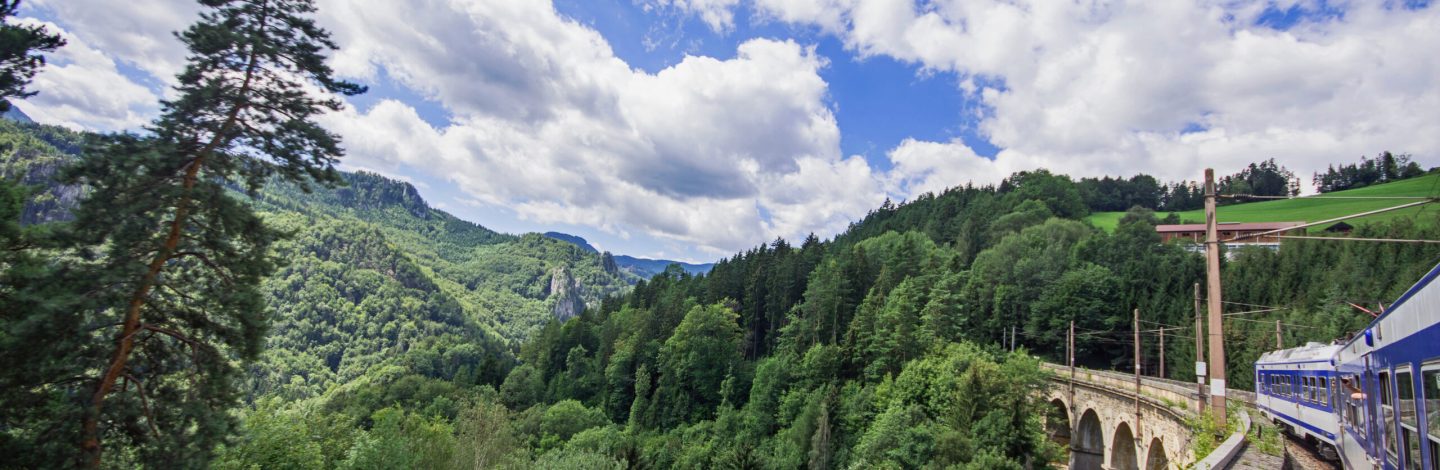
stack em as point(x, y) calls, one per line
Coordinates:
point(545, 121)
point(1117, 87)
point(81, 88)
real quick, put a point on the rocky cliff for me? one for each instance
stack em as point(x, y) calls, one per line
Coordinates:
point(565, 293)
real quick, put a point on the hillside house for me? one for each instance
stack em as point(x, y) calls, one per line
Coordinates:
point(1195, 233)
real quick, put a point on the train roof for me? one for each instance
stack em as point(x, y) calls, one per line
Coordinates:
point(1399, 302)
point(1311, 352)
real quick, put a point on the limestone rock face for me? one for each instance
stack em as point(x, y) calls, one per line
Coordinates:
point(565, 292)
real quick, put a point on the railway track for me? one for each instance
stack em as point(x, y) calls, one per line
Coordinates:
point(1303, 456)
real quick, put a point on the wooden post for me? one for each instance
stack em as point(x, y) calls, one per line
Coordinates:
point(1071, 348)
point(1217, 327)
point(1199, 353)
point(1162, 353)
point(1278, 344)
point(1136, 327)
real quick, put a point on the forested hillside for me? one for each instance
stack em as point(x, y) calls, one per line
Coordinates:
point(501, 281)
point(878, 348)
point(378, 288)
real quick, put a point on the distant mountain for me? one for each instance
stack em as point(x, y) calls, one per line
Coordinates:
point(577, 241)
point(15, 114)
point(642, 267)
point(646, 267)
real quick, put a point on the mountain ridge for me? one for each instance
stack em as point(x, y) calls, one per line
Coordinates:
point(643, 267)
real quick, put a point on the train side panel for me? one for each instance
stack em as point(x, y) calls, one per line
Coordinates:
point(1296, 388)
point(1389, 374)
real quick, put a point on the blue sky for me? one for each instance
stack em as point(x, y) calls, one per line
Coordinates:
point(690, 129)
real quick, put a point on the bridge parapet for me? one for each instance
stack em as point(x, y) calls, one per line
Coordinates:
point(1172, 392)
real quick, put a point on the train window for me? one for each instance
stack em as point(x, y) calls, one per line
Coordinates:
point(1409, 428)
point(1405, 389)
point(1310, 393)
point(1387, 414)
point(1305, 389)
point(1430, 400)
point(1323, 391)
point(1353, 398)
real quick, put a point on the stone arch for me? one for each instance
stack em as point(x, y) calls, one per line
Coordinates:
point(1057, 422)
point(1122, 449)
point(1157, 459)
point(1087, 444)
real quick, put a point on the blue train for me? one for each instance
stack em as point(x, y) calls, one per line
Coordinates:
point(1373, 402)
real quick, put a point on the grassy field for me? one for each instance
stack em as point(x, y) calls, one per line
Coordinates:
point(1313, 208)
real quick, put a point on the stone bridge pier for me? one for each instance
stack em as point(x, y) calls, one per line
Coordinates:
point(1096, 417)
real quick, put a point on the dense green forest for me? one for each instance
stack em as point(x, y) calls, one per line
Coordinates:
point(217, 294)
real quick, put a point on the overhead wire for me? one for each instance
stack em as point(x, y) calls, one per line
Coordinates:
point(1243, 304)
point(1267, 322)
point(1314, 198)
point(1247, 312)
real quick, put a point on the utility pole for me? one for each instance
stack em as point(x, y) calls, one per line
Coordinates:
point(1071, 349)
point(1137, 370)
point(1278, 343)
point(1199, 353)
point(1162, 353)
point(1217, 327)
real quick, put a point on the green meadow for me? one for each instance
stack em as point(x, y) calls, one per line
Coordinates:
point(1312, 208)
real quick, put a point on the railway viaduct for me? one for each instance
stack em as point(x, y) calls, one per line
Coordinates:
point(1107, 426)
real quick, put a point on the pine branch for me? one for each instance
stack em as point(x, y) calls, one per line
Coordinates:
point(144, 403)
point(225, 276)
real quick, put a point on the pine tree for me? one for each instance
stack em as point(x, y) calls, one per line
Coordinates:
point(20, 48)
point(26, 297)
point(166, 261)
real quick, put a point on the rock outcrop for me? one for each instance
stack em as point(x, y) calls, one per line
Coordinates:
point(565, 293)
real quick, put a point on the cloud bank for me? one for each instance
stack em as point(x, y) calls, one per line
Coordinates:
point(544, 120)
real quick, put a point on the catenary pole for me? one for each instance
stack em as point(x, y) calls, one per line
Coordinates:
point(1137, 370)
point(1217, 336)
point(1072, 366)
point(1162, 353)
point(1199, 352)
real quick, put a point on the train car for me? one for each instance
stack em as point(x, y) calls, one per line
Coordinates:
point(1295, 388)
point(1388, 385)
